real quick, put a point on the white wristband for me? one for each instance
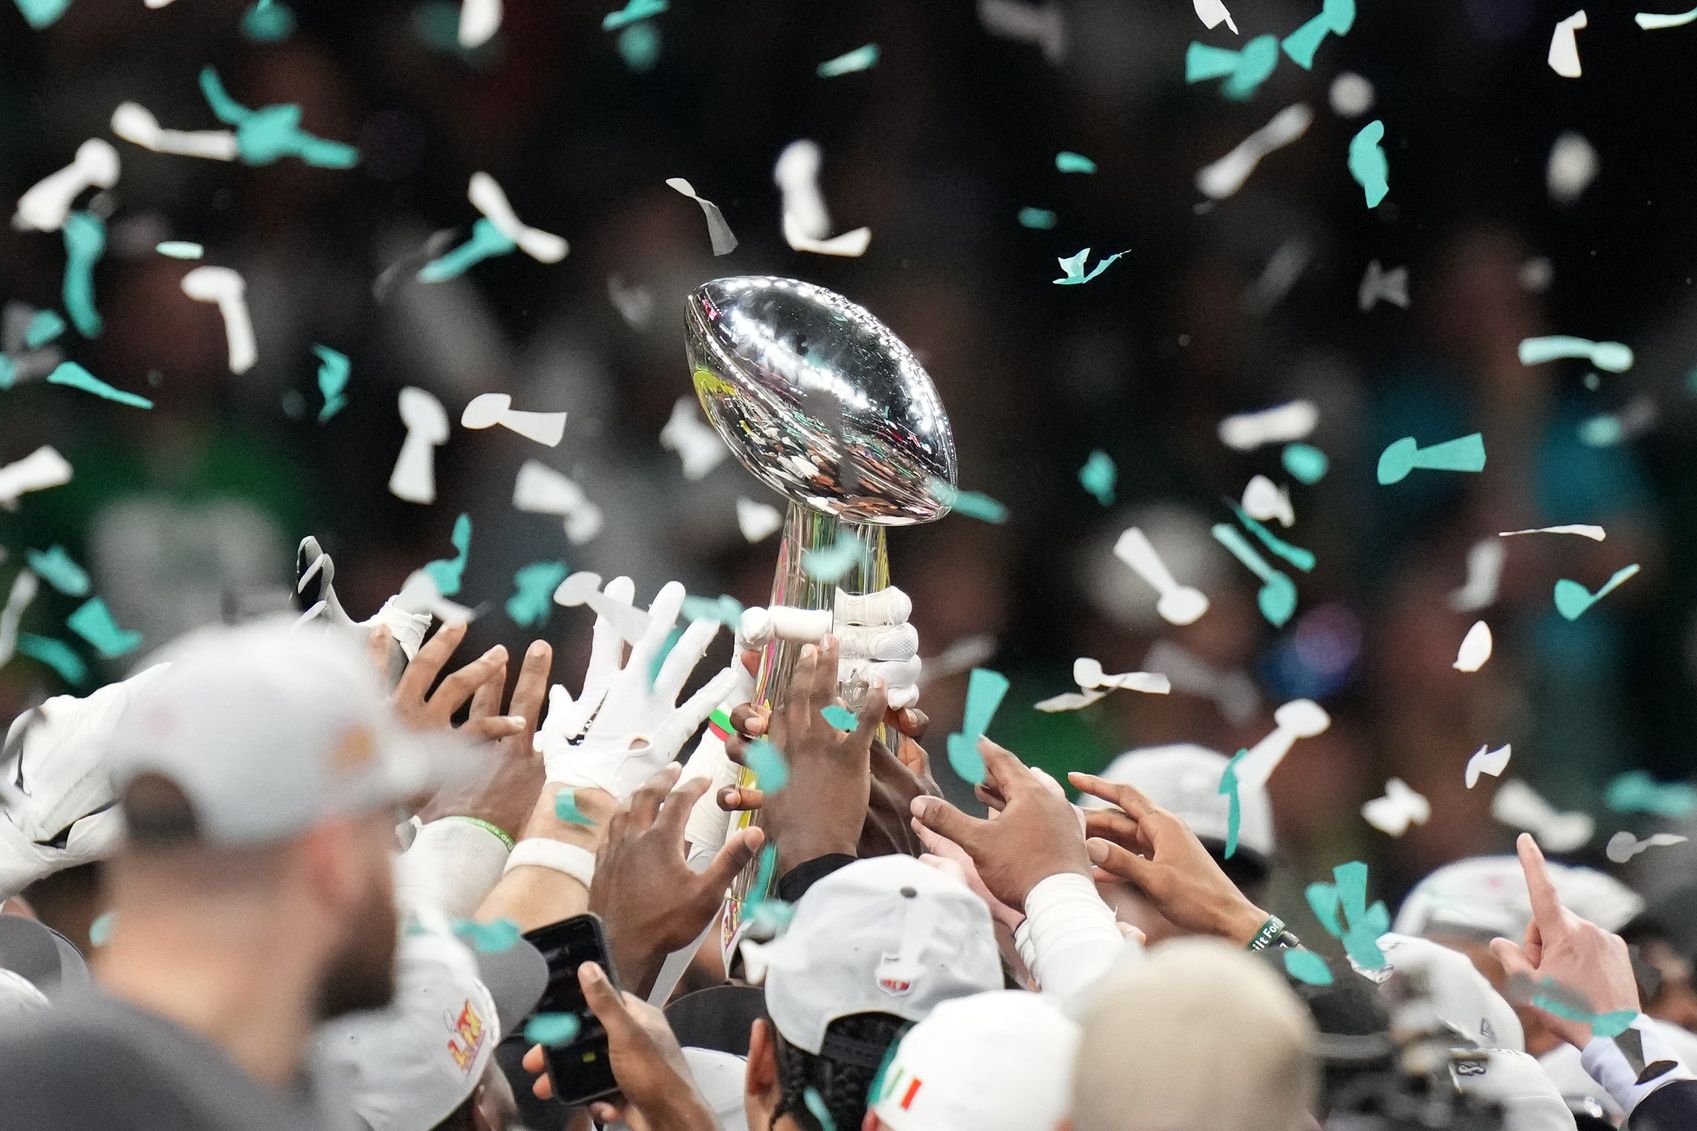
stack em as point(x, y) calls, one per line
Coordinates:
point(557, 855)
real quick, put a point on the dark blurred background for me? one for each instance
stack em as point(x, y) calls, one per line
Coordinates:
point(937, 148)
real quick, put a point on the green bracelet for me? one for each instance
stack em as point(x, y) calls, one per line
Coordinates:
point(1270, 930)
point(495, 831)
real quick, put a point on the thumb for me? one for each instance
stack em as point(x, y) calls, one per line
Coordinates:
point(942, 818)
point(603, 1000)
point(738, 853)
point(1514, 961)
point(1120, 863)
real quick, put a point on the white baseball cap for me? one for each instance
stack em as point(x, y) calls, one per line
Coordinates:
point(1485, 896)
point(269, 728)
point(1516, 1085)
point(1184, 779)
point(998, 1061)
point(885, 935)
point(410, 1064)
point(719, 1077)
point(1461, 997)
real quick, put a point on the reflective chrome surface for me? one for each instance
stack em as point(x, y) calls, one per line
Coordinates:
point(773, 358)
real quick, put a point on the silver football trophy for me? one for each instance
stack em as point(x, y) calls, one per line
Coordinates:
point(827, 407)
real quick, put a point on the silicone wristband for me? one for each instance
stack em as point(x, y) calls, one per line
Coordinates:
point(495, 831)
point(1270, 930)
point(557, 855)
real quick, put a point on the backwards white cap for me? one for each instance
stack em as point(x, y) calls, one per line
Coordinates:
point(1185, 779)
point(885, 935)
point(998, 1061)
point(1461, 997)
point(1485, 896)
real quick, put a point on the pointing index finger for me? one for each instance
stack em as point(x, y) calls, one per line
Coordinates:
point(1546, 903)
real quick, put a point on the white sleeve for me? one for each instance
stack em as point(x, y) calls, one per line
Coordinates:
point(1608, 1062)
point(451, 864)
point(1069, 938)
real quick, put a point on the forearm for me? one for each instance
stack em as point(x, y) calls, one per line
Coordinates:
point(453, 863)
point(1069, 937)
point(536, 894)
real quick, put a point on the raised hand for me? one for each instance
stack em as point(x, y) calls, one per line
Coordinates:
point(1577, 955)
point(425, 709)
point(1036, 835)
point(1143, 844)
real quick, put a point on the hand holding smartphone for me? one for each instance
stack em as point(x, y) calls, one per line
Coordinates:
point(581, 1069)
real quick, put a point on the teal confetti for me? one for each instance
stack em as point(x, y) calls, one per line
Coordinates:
point(759, 893)
point(486, 242)
point(271, 133)
point(488, 938)
point(1277, 595)
point(333, 370)
point(100, 931)
point(534, 599)
point(639, 46)
point(771, 771)
point(1306, 966)
point(1638, 792)
point(57, 655)
point(632, 12)
point(1069, 162)
point(1040, 219)
point(1244, 71)
point(436, 24)
point(860, 59)
point(1305, 463)
point(552, 1028)
point(93, 622)
point(1302, 559)
point(1073, 265)
point(268, 22)
point(984, 692)
point(1368, 164)
point(180, 249)
point(43, 328)
point(1466, 453)
point(565, 808)
point(1552, 998)
point(449, 573)
point(1602, 431)
point(726, 610)
point(85, 243)
point(840, 717)
point(39, 14)
point(1097, 477)
point(972, 504)
point(71, 374)
point(830, 563)
point(1336, 17)
point(54, 566)
point(1572, 598)
point(1234, 803)
point(8, 373)
point(816, 1107)
point(1341, 907)
point(1611, 357)
point(659, 660)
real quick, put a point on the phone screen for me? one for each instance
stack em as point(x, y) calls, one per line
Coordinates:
point(580, 1070)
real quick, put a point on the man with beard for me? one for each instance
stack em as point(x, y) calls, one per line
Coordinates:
point(252, 899)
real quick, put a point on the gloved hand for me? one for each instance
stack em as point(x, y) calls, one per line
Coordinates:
point(877, 640)
point(315, 593)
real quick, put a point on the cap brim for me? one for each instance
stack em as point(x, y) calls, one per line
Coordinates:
point(515, 978)
point(717, 1018)
point(41, 955)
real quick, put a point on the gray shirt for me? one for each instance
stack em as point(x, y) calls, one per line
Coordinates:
point(97, 1062)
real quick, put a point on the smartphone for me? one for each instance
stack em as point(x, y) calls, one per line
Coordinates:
point(580, 1070)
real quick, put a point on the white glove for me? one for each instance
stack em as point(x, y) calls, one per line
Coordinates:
point(630, 727)
point(878, 642)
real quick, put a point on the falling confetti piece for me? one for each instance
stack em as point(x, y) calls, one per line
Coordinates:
point(848, 245)
point(972, 504)
point(227, 289)
point(449, 573)
point(46, 204)
point(1399, 808)
point(135, 124)
point(93, 622)
point(718, 232)
point(770, 770)
point(830, 563)
point(1484, 569)
point(724, 609)
point(757, 521)
point(984, 692)
point(1487, 761)
point(57, 655)
point(1623, 846)
point(796, 173)
point(487, 196)
point(1467, 453)
point(1571, 168)
point(1221, 179)
point(488, 938)
point(530, 605)
point(85, 244)
point(1380, 285)
point(1297, 556)
point(414, 476)
point(1595, 533)
point(486, 242)
point(639, 46)
point(71, 374)
point(333, 370)
point(1655, 21)
point(55, 567)
point(1073, 265)
point(698, 446)
point(632, 12)
point(1234, 804)
point(1336, 18)
point(1612, 357)
point(1069, 701)
point(860, 59)
point(271, 133)
point(487, 410)
point(1250, 430)
point(1267, 501)
point(1518, 806)
point(1306, 463)
point(1475, 648)
point(1244, 71)
point(1283, 268)
point(43, 328)
point(840, 717)
point(268, 22)
point(565, 808)
point(1040, 219)
point(551, 1028)
point(1177, 604)
point(1038, 24)
point(479, 21)
point(1344, 901)
point(1066, 161)
point(100, 931)
point(1097, 477)
point(1638, 792)
point(39, 14)
point(539, 489)
point(1368, 164)
point(1277, 596)
point(1213, 13)
point(1564, 46)
point(41, 469)
point(1306, 966)
point(1572, 598)
point(1088, 674)
point(1634, 419)
point(180, 249)
point(25, 585)
point(1300, 718)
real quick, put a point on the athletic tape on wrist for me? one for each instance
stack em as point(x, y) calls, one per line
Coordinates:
point(556, 855)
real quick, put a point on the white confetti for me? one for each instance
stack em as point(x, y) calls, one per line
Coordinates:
point(1284, 267)
point(698, 446)
point(1300, 718)
point(1350, 95)
point(414, 476)
point(1213, 13)
point(1378, 284)
point(224, 286)
point(1250, 430)
point(718, 232)
point(539, 489)
point(1595, 533)
point(1518, 806)
point(797, 176)
point(1399, 808)
point(585, 589)
point(1571, 168)
point(757, 521)
point(1564, 46)
point(1536, 275)
point(1233, 693)
point(1475, 648)
point(1484, 570)
point(486, 410)
point(1265, 501)
point(1623, 846)
point(420, 594)
point(486, 196)
point(136, 125)
point(634, 304)
point(1069, 701)
point(1178, 604)
point(41, 469)
point(1039, 24)
point(479, 21)
point(24, 587)
point(1488, 761)
point(1089, 676)
point(963, 655)
point(44, 207)
point(1222, 178)
point(848, 245)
